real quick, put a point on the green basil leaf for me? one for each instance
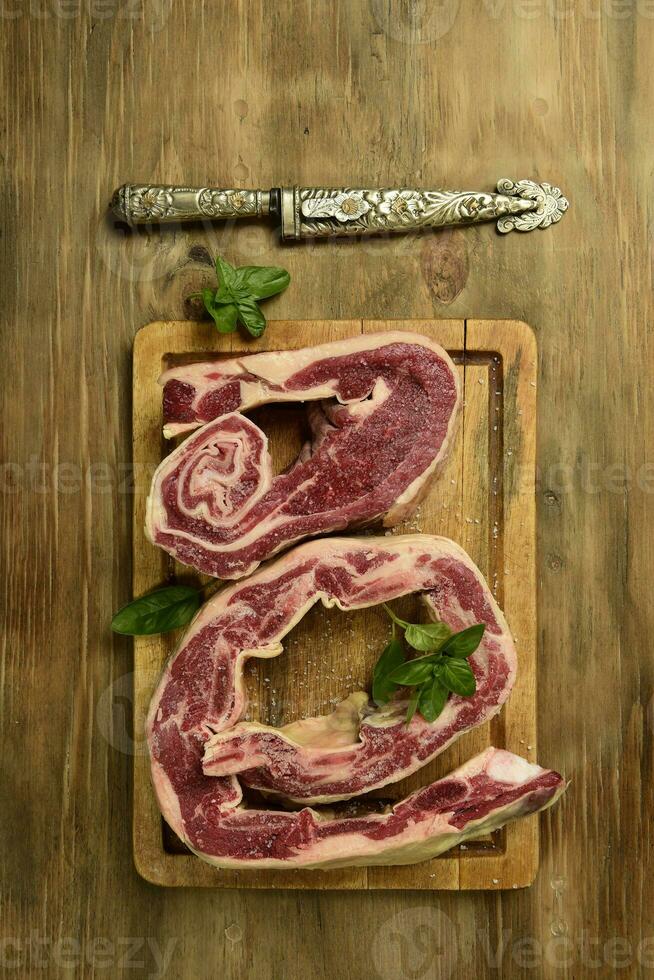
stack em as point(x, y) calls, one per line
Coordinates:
point(391, 657)
point(251, 317)
point(225, 315)
point(427, 636)
point(259, 281)
point(226, 275)
point(456, 674)
point(429, 658)
point(237, 294)
point(412, 672)
point(432, 699)
point(157, 612)
point(465, 643)
point(413, 704)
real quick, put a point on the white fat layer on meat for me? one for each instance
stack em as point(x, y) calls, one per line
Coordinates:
point(334, 730)
point(167, 798)
point(508, 768)
point(173, 429)
point(197, 371)
point(366, 406)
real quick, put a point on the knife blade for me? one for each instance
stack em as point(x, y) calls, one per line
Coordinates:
point(323, 212)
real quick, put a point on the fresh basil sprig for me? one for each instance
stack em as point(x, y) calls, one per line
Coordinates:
point(239, 290)
point(158, 612)
point(442, 670)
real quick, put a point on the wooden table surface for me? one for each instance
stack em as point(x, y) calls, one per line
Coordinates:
point(369, 92)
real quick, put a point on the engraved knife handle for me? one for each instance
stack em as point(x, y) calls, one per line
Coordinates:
point(143, 204)
point(317, 212)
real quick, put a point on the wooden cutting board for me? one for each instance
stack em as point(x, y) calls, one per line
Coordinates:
point(484, 500)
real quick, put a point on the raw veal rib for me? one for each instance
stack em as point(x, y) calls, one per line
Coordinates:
point(200, 700)
point(303, 761)
point(214, 502)
point(475, 799)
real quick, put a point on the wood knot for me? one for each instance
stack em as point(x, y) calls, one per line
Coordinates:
point(554, 563)
point(445, 264)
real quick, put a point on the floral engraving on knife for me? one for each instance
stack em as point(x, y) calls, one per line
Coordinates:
point(550, 205)
point(346, 211)
point(227, 204)
point(143, 203)
point(150, 202)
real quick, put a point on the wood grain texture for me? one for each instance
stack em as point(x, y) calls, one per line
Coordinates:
point(329, 654)
point(315, 91)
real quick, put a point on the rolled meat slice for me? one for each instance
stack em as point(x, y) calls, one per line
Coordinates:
point(384, 412)
point(197, 709)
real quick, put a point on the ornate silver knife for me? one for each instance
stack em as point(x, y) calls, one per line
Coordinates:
point(321, 212)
